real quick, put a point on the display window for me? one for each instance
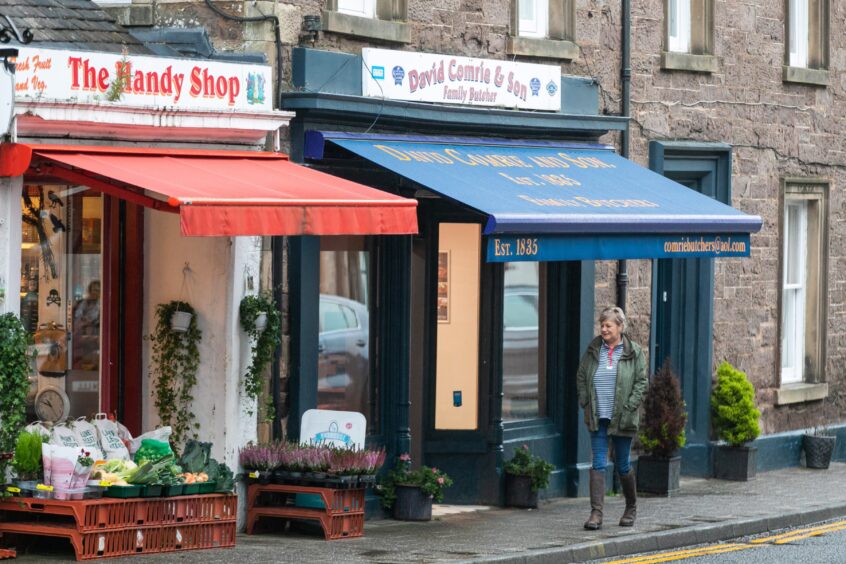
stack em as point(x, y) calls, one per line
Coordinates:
point(61, 273)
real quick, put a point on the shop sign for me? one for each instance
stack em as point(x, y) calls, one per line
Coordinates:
point(141, 81)
point(611, 247)
point(7, 89)
point(333, 428)
point(446, 79)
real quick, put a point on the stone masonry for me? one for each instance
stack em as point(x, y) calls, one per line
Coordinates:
point(777, 130)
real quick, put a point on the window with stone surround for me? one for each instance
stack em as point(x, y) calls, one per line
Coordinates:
point(373, 19)
point(543, 28)
point(806, 46)
point(803, 295)
point(689, 36)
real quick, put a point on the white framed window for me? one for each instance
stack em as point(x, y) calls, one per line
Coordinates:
point(799, 32)
point(794, 287)
point(534, 18)
point(361, 8)
point(678, 26)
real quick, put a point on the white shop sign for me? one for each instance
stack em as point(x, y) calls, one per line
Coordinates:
point(88, 77)
point(335, 428)
point(445, 79)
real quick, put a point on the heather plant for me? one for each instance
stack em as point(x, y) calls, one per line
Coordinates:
point(259, 457)
point(664, 417)
point(735, 417)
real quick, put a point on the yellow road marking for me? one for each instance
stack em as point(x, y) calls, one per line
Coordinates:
point(797, 532)
point(682, 554)
point(810, 534)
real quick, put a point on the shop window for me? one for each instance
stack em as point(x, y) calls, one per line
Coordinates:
point(375, 19)
point(523, 347)
point(802, 290)
point(689, 36)
point(61, 272)
point(345, 379)
point(806, 29)
point(543, 28)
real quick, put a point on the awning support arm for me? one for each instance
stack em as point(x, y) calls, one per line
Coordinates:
point(106, 188)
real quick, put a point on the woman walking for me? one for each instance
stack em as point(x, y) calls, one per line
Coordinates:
point(611, 382)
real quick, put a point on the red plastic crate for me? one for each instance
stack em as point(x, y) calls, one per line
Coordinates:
point(151, 540)
point(7, 553)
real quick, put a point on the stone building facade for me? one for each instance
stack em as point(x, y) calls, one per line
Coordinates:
point(785, 129)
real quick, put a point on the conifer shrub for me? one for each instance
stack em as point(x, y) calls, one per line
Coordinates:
point(735, 417)
point(664, 416)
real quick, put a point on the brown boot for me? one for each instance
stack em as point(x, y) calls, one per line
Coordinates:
point(630, 493)
point(597, 499)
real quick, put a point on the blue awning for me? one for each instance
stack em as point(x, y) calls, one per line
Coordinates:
point(574, 196)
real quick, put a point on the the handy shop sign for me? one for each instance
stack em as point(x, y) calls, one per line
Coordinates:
point(445, 79)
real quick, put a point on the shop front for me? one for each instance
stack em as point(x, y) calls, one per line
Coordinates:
point(480, 319)
point(112, 207)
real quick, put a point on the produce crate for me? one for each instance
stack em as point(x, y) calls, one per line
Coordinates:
point(7, 553)
point(123, 492)
point(102, 528)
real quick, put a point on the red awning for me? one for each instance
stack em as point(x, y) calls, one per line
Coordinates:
point(231, 193)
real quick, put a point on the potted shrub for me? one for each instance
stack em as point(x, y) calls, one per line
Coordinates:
point(735, 421)
point(27, 460)
point(818, 446)
point(662, 434)
point(261, 320)
point(410, 493)
point(14, 384)
point(525, 474)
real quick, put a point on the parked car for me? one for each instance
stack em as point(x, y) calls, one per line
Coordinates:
point(343, 366)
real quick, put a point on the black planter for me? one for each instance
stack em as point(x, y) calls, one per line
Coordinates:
point(657, 475)
point(518, 492)
point(735, 463)
point(412, 504)
point(818, 450)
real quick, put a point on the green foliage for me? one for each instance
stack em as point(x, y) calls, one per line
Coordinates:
point(264, 342)
point(176, 360)
point(14, 384)
point(524, 463)
point(733, 406)
point(431, 481)
point(664, 418)
point(121, 80)
point(27, 460)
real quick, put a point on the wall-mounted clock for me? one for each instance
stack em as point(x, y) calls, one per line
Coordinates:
point(52, 404)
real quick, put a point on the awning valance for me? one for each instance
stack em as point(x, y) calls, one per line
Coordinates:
point(585, 201)
point(230, 193)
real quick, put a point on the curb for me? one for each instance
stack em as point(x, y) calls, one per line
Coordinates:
point(675, 538)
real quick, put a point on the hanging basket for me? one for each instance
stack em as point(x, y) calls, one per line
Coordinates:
point(818, 450)
point(261, 321)
point(180, 321)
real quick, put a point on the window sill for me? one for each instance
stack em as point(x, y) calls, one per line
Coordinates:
point(689, 62)
point(542, 48)
point(800, 393)
point(336, 22)
point(801, 75)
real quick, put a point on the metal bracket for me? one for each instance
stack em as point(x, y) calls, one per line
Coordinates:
point(7, 32)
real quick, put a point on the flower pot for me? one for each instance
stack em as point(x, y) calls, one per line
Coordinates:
point(518, 492)
point(261, 321)
point(412, 504)
point(280, 477)
point(180, 321)
point(818, 450)
point(735, 463)
point(658, 475)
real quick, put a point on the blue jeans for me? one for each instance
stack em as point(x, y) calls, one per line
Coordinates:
point(599, 446)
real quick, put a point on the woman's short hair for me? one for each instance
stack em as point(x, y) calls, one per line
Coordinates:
point(614, 314)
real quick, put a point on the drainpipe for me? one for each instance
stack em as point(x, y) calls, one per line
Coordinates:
point(626, 79)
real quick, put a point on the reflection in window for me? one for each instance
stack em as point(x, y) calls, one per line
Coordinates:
point(61, 258)
point(523, 347)
point(344, 380)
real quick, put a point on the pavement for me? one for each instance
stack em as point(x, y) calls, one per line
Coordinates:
point(703, 511)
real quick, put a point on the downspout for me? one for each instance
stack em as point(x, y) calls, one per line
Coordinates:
point(626, 79)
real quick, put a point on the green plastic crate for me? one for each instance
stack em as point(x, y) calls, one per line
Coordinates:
point(123, 491)
point(191, 489)
point(151, 491)
point(207, 487)
point(173, 490)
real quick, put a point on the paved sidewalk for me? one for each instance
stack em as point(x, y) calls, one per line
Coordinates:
point(704, 511)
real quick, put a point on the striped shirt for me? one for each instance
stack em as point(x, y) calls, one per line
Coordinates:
point(605, 379)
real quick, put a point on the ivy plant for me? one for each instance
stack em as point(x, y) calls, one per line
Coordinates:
point(264, 342)
point(14, 383)
point(176, 360)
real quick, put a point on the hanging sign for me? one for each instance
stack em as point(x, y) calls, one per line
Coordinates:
point(141, 81)
point(446, 79)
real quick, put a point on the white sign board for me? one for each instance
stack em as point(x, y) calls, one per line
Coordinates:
point(334, 428)
point(445, 79)
point(141, 81)
point(7, 98)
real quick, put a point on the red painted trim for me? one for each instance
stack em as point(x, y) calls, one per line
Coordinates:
point(14, 159)
point(133, 315)
point(110, 347)
point(45, 150)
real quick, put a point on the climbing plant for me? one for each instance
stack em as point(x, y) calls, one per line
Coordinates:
point(264, 342)
point(176, 360)
point(14, 383)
